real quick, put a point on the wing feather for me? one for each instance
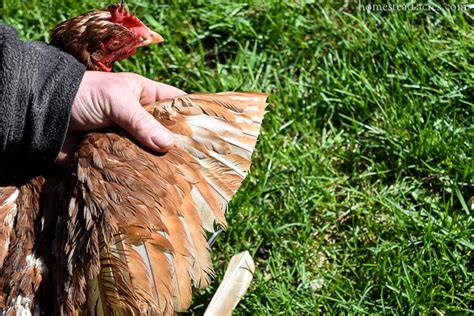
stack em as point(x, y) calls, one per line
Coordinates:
point(131, 238)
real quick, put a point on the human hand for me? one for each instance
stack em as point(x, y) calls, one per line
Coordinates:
point(105, 99)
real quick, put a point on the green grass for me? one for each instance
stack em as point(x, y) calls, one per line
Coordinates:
point(357, 202)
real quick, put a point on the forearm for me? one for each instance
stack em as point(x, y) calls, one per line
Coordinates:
point(38, 84)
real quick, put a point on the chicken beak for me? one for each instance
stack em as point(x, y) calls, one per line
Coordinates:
point(151, 38)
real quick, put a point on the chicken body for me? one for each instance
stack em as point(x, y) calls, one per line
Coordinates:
point(122, 232)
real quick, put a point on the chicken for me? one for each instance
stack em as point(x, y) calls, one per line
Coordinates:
point(123, 230)
point(100, 37)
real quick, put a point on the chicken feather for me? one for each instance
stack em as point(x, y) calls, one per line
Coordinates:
point(126, 226)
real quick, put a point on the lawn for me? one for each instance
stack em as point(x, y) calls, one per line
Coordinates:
point(358, 197)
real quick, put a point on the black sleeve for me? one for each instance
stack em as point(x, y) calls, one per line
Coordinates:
point(38, 83)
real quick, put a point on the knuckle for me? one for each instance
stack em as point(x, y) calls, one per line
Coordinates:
point(140, 123)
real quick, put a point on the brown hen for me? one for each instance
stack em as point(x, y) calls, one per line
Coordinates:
point(123, 231)
point(98, 38)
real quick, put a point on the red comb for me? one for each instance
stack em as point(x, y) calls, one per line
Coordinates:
point(119, 14)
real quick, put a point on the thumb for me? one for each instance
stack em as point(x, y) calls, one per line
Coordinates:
point(143, 127)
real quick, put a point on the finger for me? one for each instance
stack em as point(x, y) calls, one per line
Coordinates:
point(164, 91)
point(66, 155)
point(143, 127)
point(157, 91)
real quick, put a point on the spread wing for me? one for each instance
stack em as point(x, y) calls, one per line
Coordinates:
point(133, 233)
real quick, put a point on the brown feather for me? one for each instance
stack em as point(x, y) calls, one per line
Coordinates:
point(8, 209)
point(126, 227)
point(22, 270)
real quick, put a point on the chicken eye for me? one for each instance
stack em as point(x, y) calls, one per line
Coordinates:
point(115, 45)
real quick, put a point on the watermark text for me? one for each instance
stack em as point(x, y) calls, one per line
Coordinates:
point(415, 7)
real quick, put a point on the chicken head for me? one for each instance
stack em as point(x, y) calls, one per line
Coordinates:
point(98, 38)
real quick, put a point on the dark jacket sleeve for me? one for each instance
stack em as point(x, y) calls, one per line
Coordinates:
point(38, 83)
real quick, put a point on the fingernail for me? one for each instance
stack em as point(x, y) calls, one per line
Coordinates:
point(162, 138)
